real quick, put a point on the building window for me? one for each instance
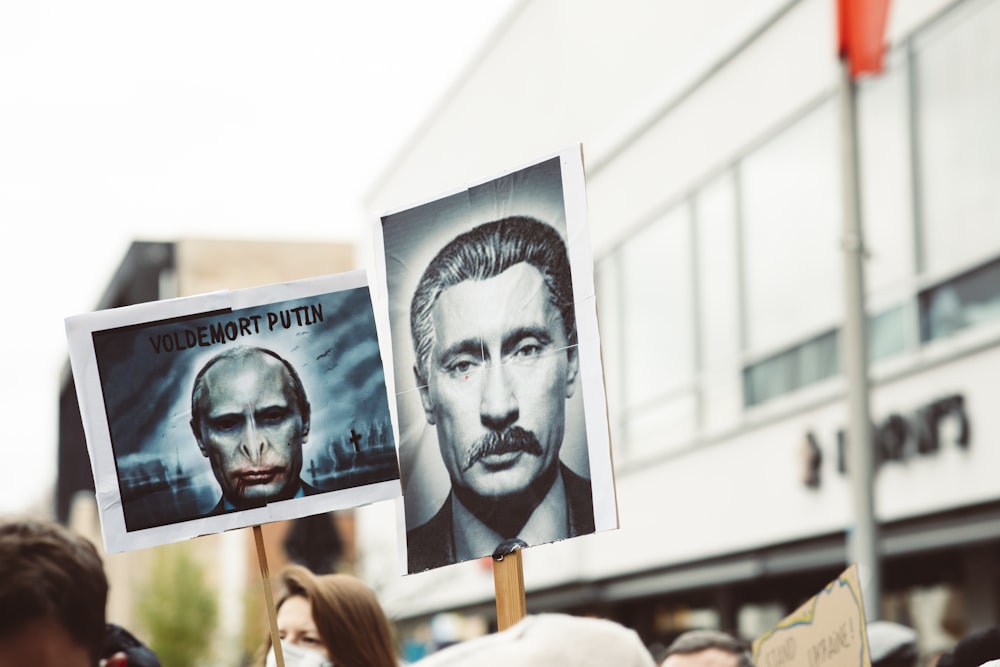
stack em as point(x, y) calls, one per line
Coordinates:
point(885, 164)
point(791, 231)
point(718, 305)
point(658, 343)
point(889, 332)
point(805, 364)
point(957, 65)
point(970, 299)
point(657, 298)
point(791, 194)
point(819, 358)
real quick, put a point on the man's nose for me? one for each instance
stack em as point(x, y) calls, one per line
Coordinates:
point(253, 441)
point(498, 405)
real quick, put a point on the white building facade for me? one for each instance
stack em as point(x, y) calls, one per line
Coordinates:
point(711, 136)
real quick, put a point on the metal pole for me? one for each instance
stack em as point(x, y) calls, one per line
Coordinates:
point(862, 541)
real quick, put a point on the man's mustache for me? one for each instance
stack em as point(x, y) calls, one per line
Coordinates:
point(513, 439)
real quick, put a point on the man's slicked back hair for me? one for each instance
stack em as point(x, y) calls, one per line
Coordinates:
point(485, 252)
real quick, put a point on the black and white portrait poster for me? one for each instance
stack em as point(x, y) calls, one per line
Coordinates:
point(496, 366)
point(234, 408)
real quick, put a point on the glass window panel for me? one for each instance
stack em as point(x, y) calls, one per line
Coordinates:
point(887, 333)
point(958, 98)
point(656, 295)
point(718, 302)
point(799, 366)
point(715, 207)
point(884, 144)
point(769, 378)
point(818, 359)
point(792, 218)
point(970, 299)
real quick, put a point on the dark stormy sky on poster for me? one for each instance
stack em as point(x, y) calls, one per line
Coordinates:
point(147, 373)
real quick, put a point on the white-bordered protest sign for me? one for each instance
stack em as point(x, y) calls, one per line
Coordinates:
point(497, 373)
point(233, 409)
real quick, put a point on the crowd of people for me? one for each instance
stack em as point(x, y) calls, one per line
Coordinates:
point(54, 591)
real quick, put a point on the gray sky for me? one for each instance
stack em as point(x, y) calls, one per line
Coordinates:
point(131, 119)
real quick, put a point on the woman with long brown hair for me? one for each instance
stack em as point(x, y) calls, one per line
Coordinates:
point(335, 618)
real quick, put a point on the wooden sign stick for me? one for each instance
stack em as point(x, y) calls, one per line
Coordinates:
point(508, 581)
point(265, 578)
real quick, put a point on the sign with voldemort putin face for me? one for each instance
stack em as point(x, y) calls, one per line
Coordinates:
point(234, 408)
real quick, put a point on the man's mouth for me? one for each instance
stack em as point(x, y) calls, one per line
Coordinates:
point(500, 449)
point(496, 462)
point(254, 476)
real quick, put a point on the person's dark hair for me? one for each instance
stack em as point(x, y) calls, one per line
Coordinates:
point(52, 573)
point(238, 354)
point(892, 644)
point(976, 648)
point(694, 641)
point(119, 640)
point(485, 252)
point(348, 617)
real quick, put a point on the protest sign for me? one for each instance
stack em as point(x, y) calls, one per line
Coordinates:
point(827, 631)
point(233, 409)
point(497, 374)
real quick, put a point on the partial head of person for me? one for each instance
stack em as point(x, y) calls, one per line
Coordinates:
point(892, 644)
point(707, 648)
point(250, 416)
point(976, 649)
point(331, 619)
point(549, 639)
point(53, 593)
point(494, 336)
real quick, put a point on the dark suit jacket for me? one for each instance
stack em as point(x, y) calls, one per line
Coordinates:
point(432, 544)
point(220, 507)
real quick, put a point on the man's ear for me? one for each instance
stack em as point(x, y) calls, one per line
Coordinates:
point(305, 426)
point(425, 397)
point(572, 369)
point(197, 437)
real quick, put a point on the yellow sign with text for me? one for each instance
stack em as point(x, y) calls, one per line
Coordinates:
point(827, 631)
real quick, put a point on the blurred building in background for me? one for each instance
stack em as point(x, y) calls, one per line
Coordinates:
point(711, 136)
point(220, 571)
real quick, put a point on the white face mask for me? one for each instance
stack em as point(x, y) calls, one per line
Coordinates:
point(297, 656)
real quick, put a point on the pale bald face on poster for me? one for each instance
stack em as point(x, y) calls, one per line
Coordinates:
point(500, 372)
point(250, 418)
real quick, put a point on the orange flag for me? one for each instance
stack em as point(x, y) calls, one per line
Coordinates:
point(860, 34)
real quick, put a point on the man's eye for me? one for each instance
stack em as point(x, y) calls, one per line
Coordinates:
point(460, 366)
point(528, 350)
point(273, 416)
point(227, 423)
